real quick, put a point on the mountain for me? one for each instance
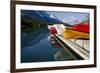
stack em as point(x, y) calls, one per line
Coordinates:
point(72, 20)
point(34, 20)
point(40, 16)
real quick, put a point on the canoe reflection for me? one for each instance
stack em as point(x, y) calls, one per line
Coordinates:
point(61, 54)
point(54, 42)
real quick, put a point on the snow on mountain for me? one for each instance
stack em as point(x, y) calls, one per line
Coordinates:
point(72, 20)
point(52, 16)
point(41, 15)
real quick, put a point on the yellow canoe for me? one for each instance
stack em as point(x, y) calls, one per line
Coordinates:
point(72, 34)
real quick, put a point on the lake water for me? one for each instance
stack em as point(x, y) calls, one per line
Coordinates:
point(40, 47)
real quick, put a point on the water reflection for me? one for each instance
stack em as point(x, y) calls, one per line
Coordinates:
point(42, 47)
point(54, 42)
point(61, 55)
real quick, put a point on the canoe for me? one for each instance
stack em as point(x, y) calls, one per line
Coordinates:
point(53, 30)
point(73, 34)
point(82, 27)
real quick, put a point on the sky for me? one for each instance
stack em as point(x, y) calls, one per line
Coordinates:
point(69, 17)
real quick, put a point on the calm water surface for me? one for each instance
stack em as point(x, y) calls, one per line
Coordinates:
point(37, 47)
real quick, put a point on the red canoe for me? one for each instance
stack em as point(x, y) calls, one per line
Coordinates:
point(53, 30)
point(82, 27)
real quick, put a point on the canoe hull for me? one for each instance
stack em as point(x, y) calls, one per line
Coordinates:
point(72, 34)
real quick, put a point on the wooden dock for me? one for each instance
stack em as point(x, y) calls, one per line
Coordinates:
point(78, 48)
